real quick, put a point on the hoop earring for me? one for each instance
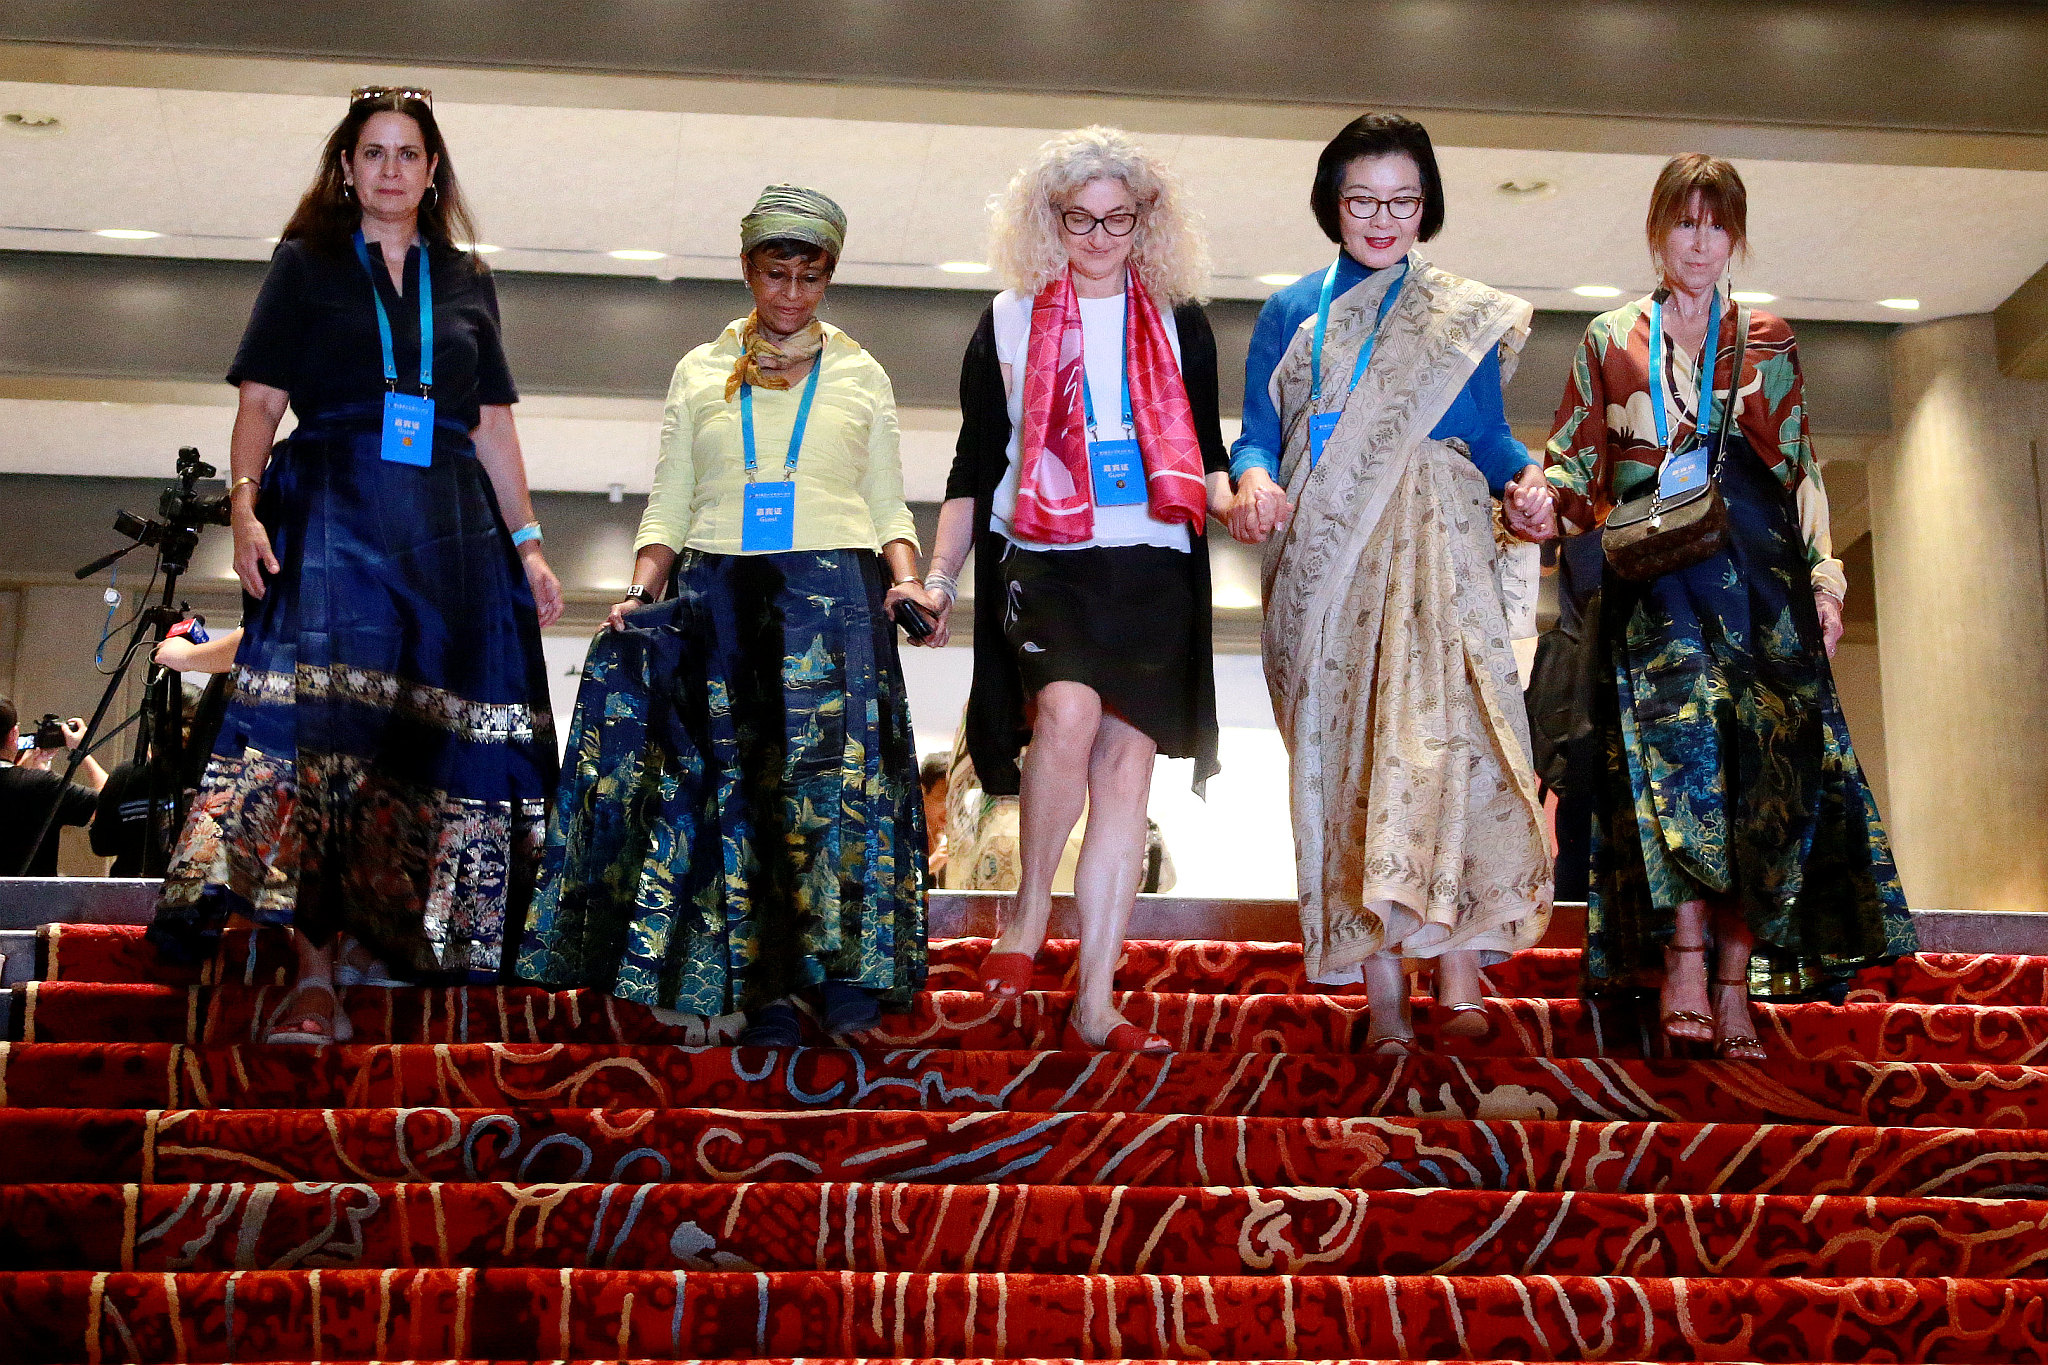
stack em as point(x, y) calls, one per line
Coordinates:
point(434, 190)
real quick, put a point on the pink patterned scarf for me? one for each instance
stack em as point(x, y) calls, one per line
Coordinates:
point(1055, 500)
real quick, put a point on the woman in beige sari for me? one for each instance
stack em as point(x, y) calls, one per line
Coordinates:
point(1389, 594)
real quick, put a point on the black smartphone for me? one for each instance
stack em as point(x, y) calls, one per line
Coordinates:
point(914, 622)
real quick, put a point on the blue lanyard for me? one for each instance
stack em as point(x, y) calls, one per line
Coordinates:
point(1708, 361)
point(796, 433)
point(1323, 326)
point(426, 293)
point(1123, 373)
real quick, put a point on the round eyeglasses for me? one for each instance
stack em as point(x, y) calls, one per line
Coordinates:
point(1079, 223)
point(1401, 206)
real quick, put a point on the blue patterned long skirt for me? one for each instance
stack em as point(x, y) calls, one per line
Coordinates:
point(384, 768)
point(1729, 774)
point(741, 817)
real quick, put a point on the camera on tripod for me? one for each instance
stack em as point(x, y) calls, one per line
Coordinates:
point(183, 510)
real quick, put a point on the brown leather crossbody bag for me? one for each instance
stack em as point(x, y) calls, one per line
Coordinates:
point(1653, 535)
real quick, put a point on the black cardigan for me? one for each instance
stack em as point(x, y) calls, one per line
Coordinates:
point(996, 729)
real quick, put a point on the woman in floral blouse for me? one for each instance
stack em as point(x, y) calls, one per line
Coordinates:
point(1733, 821)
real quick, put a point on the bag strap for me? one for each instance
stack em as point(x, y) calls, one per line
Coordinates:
point(1734, 389)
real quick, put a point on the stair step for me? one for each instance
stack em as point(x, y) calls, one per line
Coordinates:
point(551, 1314)
point(124, 1146)
point(169, 1076)
point(63, 1012)
point(1046, 1230)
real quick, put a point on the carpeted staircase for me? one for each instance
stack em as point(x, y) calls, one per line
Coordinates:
point(510, 1174)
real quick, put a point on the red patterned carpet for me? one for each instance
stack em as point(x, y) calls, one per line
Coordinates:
point(510, 1174)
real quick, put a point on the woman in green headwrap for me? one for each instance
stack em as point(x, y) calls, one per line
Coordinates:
point(740, 825)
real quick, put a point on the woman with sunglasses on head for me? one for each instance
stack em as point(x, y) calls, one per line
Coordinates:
point(380, 780)
point(742, 826)
point(1735, 840)
point(1089, 461)
point(1374, 444)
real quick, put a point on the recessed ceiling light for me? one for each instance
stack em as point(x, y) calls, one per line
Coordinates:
point(635, 254)
point(1526, 189)
point(1903, 305)
point(1753, 296)
point(32, 121)
point(1597, 291)
point(480, 248)
point(965, 267)
point(127, 234)
point(1278, 280)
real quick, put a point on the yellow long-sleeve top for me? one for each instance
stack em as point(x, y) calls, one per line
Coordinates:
point(849, 475)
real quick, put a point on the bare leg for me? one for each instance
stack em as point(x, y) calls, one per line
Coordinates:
point(1386, 994)
point(1112, 861)
point(1684, 1000)
point(312, 1009)
point(1052, 792)
point(1735, 1032)
point(1457, 985)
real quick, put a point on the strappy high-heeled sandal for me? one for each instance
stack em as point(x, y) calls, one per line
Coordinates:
point(1737, 1047)
point(1693, 1017)
point(1402, 1045)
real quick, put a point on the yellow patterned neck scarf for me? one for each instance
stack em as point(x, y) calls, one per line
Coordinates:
point(766, 364)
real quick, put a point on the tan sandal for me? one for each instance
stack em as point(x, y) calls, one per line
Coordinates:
point(1402, 1046)
point(1693, 1017)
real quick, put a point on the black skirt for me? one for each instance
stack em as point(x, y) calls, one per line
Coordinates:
point(1117, 619)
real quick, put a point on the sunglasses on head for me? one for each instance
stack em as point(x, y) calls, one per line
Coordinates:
point(381, 92)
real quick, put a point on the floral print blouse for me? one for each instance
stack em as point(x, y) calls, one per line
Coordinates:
point(1603, 447)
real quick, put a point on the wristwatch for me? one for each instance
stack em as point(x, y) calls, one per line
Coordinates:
point(637, 593)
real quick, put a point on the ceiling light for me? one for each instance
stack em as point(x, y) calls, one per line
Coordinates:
point(965, 267)
point(480, 248)
point(636, 254)
point(32, 121)
point(1903, 305)
point(127, 234)
point(1597, 291)
point(1278, 281)
point(1753, 296)
point(1526, 189)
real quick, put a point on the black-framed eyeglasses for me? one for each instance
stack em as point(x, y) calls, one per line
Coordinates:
point(1401, 206)
point(380, 92)
point(1080, 223)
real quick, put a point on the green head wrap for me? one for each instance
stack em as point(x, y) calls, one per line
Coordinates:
point(791, 211)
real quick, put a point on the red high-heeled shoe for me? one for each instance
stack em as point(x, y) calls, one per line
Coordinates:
point(1007, 975)
point(1123, 1038)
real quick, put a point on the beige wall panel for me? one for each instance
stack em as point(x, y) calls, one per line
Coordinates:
point(1963, 623)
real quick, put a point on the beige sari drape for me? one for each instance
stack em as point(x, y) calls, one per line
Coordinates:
point(1417, 824)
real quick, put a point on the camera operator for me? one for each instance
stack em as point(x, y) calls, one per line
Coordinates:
point(121, 829)
point(28, 788)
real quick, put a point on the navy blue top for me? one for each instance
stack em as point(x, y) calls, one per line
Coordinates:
point(1476, 416)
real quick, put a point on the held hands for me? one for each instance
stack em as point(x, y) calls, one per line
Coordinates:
point(935, 606)
point(1830, 609)
point(1260, 508)
point(1529, 507)
point(547, 589)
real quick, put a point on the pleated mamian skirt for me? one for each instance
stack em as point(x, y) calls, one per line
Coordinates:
point(1728, 768)
point(741, 817)
point(384, 767)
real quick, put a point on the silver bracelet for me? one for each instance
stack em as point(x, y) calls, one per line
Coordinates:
point(939, 581)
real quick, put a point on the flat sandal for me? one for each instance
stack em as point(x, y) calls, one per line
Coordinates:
point(1670, 1017)
point(1737, 1042)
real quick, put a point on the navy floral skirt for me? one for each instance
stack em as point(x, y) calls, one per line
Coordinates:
point(384, 768)
point(741, 816)
point(1728, 769)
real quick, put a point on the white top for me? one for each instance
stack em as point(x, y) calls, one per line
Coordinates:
point(1102, 352)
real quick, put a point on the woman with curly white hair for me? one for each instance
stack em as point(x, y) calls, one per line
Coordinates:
point(1090, 458)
